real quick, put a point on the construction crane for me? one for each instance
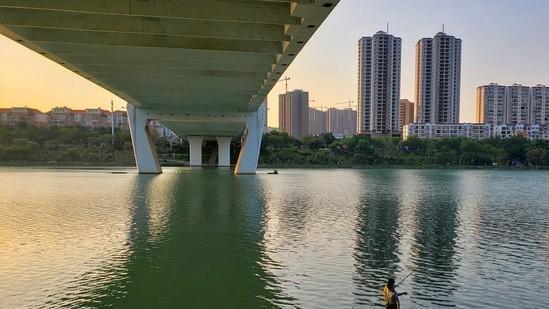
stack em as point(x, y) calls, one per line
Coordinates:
point(322, 107)
point(314, 101)
point(350, 102)
point(285, 80)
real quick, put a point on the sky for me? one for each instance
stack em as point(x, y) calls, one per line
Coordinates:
point(504, 41)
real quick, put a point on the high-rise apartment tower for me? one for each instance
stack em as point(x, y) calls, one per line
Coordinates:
point(379, 84)
point(540, 105)
point(513, 105)
point(406, 112)
point(293, 113)
point(341, 122)
point(317, 121)
point(438, 79)
point(492, 104)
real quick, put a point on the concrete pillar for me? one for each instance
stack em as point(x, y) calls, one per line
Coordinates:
point(251, 143)
point(224, 151)
point(195, 145)
point(143, 146)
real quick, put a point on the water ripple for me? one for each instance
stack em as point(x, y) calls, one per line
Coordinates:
point(302, 239)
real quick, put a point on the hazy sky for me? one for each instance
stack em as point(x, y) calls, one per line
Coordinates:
point(504, 41)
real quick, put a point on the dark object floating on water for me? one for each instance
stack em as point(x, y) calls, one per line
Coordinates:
point(275, 172)
point(119, 172)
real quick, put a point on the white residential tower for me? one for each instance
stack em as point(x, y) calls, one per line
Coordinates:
point(438, 79)
point(379, 84)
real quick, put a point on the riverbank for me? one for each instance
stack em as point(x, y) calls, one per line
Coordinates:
point(91, 166)
point(83, 147)
point(421, 167)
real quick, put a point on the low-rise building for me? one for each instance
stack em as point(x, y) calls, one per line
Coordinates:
point(41, 120)
point(158, 129)
point(78, 115)
point(447, 130)
point(475, 131)
point(95, 118)
point(119, 119)
point(406, 112)
point(531, 132)
point(4, 112)
point(92, 118)
point(18, 115)
point(61, 117)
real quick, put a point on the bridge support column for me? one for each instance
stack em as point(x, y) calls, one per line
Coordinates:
point(224, 151)
point(143, 146)
point(195, 145)
point(251, 143)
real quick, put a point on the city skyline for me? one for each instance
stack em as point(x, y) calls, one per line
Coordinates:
point(493, 51)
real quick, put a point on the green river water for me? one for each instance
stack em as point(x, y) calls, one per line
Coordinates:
point(301, 239)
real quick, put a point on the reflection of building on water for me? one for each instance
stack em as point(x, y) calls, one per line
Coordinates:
point(406, 228)
point(409, 185)
point(308, 235)
point(378, 235)
point(546, 260)
point(435, 241)
point(471, 192)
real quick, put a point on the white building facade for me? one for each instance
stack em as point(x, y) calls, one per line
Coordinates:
point(438, 79)
point(518, 104)
point(539, 105)
point(379, 66)
point(491, 104)
point(447, 130)
point(531, 132)
point(474, 131)
point(513, 105)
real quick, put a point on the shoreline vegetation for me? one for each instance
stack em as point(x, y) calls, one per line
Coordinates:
point(80, 147)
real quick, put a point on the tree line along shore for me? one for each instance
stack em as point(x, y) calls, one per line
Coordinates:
point(23, 145)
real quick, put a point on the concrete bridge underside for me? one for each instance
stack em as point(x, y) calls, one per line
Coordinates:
point(201, 67)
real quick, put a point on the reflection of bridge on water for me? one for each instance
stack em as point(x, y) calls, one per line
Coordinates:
point(202, 67)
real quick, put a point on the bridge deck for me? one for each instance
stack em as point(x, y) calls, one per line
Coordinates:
point(182, 58)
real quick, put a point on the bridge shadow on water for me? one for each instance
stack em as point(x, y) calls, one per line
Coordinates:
point(195, 242)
